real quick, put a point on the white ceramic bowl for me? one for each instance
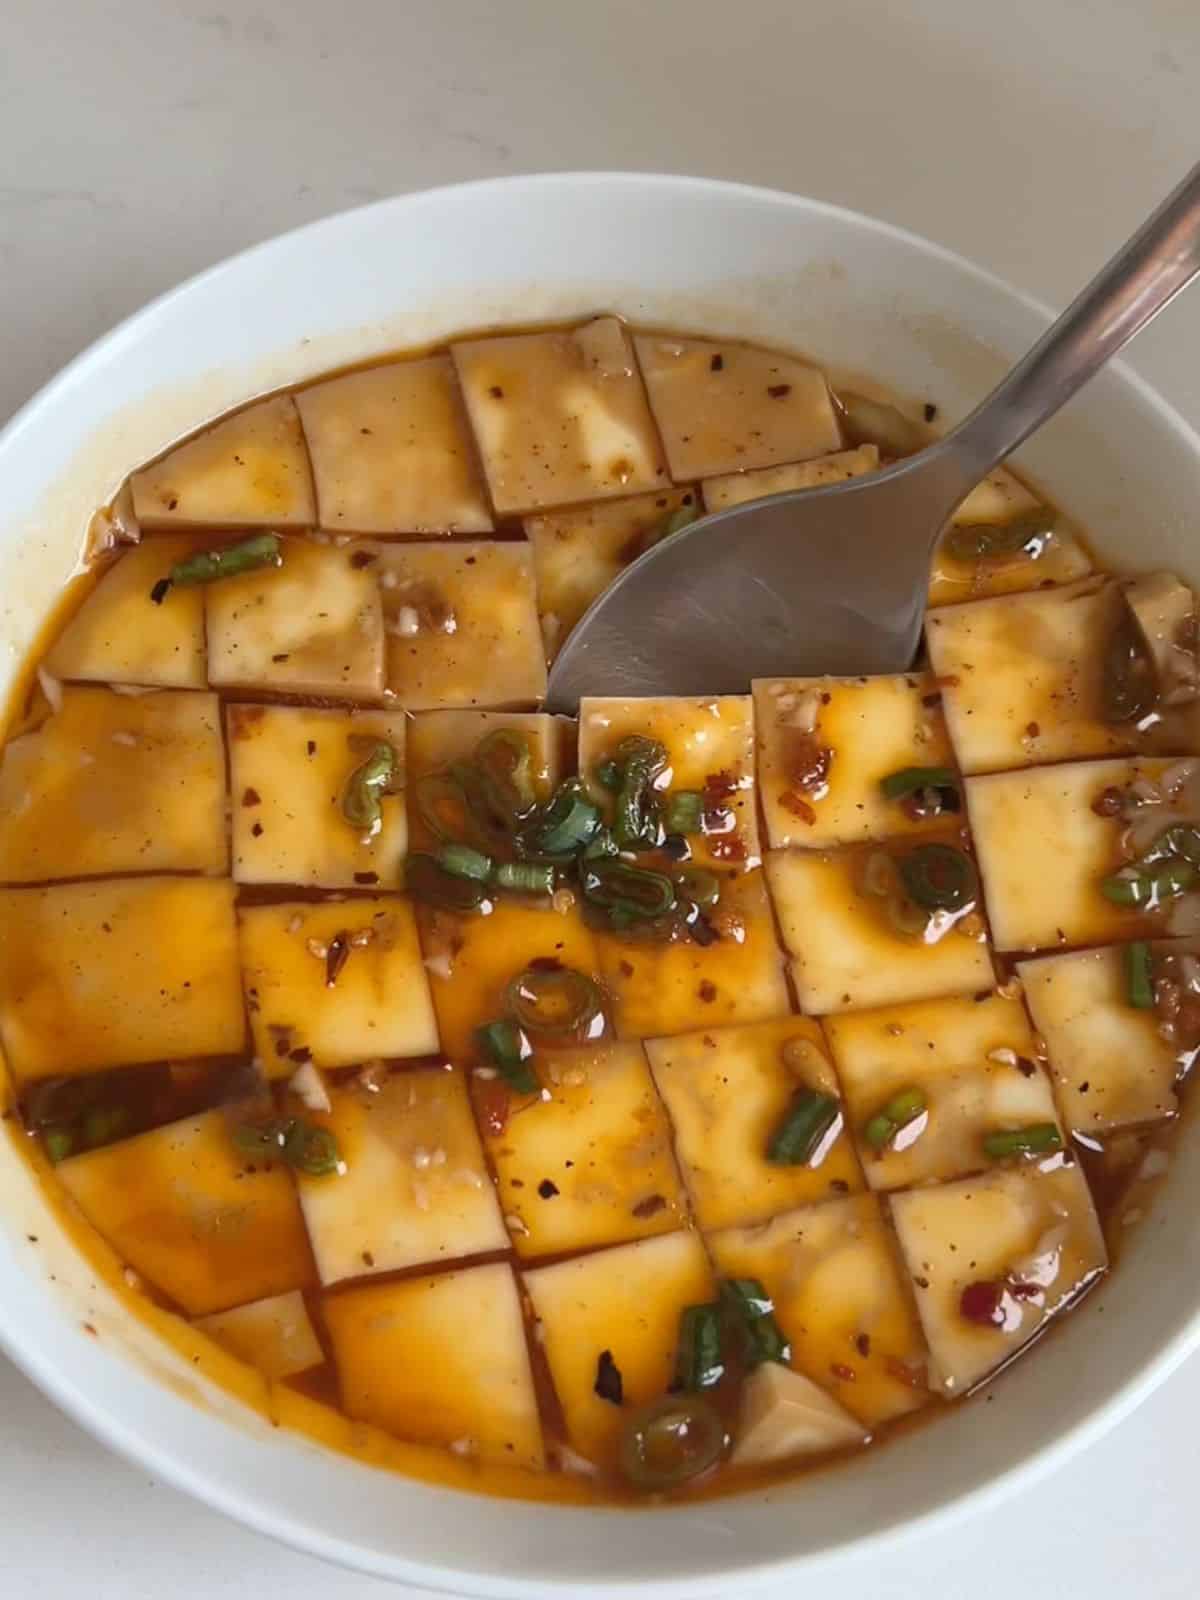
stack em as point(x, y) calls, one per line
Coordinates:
point(671, 251)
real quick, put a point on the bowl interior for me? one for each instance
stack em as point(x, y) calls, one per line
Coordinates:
point(858, 297)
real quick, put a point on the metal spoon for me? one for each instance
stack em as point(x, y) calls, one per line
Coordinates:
point(834, 580)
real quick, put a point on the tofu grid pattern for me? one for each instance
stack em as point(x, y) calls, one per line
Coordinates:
point(381, 640)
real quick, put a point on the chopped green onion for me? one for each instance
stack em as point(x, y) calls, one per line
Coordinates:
point(988, 541)
point(627, 893)
point(504, 760)
point(904, 1107)
point(524, 877)
point(938, 877)
point(684, 809)
point(59, 1142)
point(1034, 1140)
point(229, 561)
point(463, 862)
point(568, 823)
point(698, 886)
point(1128, 681)
point(1139, 975)
point(554, 1000)
point(508, 1051)
point(753, 1313)
point(1147, 890)
point(427, 880)
point(699, 1362)
point(636, 824)
point(363, 793)
point(303, 1145)
point(608, 775)
point(899, 785)
point(804, 1129)
point(670, 1441)
point(1182, 840)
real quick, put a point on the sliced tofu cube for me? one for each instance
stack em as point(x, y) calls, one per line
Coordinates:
point(472, 960)
point(673, 988)
point(626, 1302)
point(415, 1191)
point(471, 1390)
point(728, 407)
point(1043, 851)
point(710, 748)
point(88, 980)
point(119, 635)
point(826, 744)
point(249, 470)
point(559, 416)
point(847, 952)
point(591, 1165)
point(839, 1301)
point(1057, 556)
point(734, 488)
point(975, 1061)
point(728, 1091)
point(436, 738)
point(577, 553)
point(312, 626)
point(1021, 677)
point(274, 1335)
point(115, 783)
point(1032, 1230)
point(391, 452)
point(462, 625)
point(206, 1225)
point(309, 1001)
point(784, 1415)
point(1110, 1062)
point(289, 768)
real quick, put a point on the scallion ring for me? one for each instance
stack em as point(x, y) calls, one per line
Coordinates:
point(937, 877)
point(362, 795)
point(554, 1001)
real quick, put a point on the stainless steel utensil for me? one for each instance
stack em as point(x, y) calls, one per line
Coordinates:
point(833, 580)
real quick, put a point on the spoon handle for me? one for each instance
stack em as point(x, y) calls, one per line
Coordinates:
point(1161, 258)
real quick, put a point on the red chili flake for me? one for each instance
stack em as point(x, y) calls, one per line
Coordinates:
point(1033, 729)
point(981, 1303)
point(300, 1055)
point(843, 1373)
point(1020, 1290)
point(609, 1384)
point(716, 364)
point(88, 1328)
point(547, 1188)
point(778, 390)
point(808, 762)
point(311, 747)
point(798, 806)
point(251, 797)
point(336, 957)
point(366, 877)
point(930, 701)
point(626, 969)
point(362, 558)
point(707, 991)
point(915, 1377)
point(719, 786)
point(257, 830)
point(1108, 803)
point(494, 1103)
point(160, 591)
point(930, 411)
point(862, 1343)
point(650, 1206)
point(730, 848)
point(368, 1260)
point(282, 657)
point(496, 392)
point(1026, 1067)
point(839, 1186)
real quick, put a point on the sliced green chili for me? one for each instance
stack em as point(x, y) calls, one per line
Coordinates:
point(903, 1107)
point(1139, 976)
point(752, 1312)
point(937, 877)
point(699, 1359)
point(684, 810)
point(698, 886)
point(636, 822)
point(899, 785)
point(228, 561)
point(362, 796)
point(1147, 889)
point(568, 823)
point(1036, 1139)
point(1128, 681)
point(503, 758)
point(506, 1049)
point(804, 1128)
point(524, 877)
point(670, 1441)
point(990, 541)
point(463, 862)
point(627, 893)
point(304, 1145)
point(427, 880)
point(554, 1000)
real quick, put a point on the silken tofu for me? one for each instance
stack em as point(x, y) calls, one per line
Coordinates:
point(438, 738)
point(735, 488)
point(274, 1335)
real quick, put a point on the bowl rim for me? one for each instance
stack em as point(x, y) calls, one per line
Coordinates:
point(118, 1431)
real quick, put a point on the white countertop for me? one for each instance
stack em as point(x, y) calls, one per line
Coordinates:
point(143, 139)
